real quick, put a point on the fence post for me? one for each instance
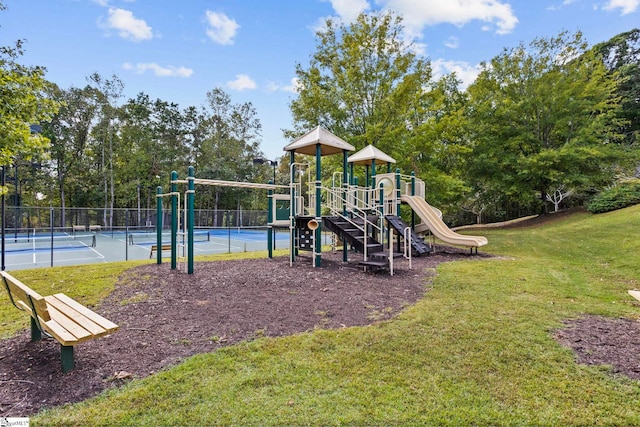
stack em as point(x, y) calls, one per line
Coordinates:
point(174, 220)
point(270, 240)
point(190, 206)
point(159, 225)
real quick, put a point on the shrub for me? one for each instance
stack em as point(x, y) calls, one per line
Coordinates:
point(618, 197)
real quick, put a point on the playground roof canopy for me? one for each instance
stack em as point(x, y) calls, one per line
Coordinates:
point(329, 143)
point(368, 154)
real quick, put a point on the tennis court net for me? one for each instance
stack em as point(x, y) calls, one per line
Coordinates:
point(34, 243)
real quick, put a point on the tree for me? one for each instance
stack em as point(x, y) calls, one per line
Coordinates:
point(362, 82)
point(24, 102)
point(70, 134)
point(621, 56)
point(541, 116)
point(366, 84)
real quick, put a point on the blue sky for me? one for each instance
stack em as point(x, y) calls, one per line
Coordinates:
point(179, 50)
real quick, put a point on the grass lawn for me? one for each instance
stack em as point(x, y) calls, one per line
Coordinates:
point(476, 350)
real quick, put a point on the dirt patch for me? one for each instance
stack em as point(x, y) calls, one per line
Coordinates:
point(600, 340)
point(166, 316)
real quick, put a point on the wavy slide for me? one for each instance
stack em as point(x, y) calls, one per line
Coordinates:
point(438, 227)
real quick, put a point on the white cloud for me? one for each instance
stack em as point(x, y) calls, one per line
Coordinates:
point(128, 26)
point(348, 10)
point(242, 82)
point(465, 72)
point(293, 86)
point(452, 42)
point(627, 6)
point(420, 13)
point(221, 29)
point(169, 71)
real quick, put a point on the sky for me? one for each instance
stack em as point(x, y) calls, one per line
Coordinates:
point(177, 51)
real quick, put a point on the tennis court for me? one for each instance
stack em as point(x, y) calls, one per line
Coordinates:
point(45, 249)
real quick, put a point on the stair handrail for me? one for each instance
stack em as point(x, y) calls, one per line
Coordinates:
point(335, 194)
point(408, 242)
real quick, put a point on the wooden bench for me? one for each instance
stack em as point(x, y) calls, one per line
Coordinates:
point(57, 316)
point(77, 228)
point(95, 228)
point(164, 247)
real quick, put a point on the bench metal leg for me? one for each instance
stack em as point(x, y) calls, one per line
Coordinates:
point(66, 357)
point(36, 334)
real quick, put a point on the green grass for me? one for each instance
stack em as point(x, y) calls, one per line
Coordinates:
point(477, 350)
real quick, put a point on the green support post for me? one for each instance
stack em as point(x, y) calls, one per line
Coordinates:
point(270, 221)
point(36, 333)
point(398, 192)
point(398, 203)
point(159, 225)
point(66, 358)
point(373, 181)
point(293, 249)
point(317, 234)
point(174, 220)
point(190, 220)
point(345, 191)
point(381, 211)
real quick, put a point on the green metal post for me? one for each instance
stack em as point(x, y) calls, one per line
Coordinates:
point(351, 174)
point(398, 192)
point(270, 221)
point(373, 174)
point(398, 202)
point(174, 220)
point(381, 210)
point(36, 333)
point(66, 357)
point(159, 225)
point(293, 249)
point(190, 223)
point(317, 236)
point(345, 191)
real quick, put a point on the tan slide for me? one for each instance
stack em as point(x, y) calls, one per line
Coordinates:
point(438, 227)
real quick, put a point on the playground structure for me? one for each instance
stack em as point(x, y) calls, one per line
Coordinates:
point(364, 219)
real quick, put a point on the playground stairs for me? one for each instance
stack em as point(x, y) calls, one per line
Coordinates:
point(417, 243)
point(351, 233)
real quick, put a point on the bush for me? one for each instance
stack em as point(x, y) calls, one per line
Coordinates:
point(622, 195)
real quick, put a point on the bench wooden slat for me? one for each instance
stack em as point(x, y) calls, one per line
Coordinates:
point(58, 308)
point(21, 294)
point(58, 332)
point(77, 330)
point(89, 314)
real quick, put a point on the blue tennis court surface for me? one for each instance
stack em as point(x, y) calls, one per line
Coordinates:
point(25, 251)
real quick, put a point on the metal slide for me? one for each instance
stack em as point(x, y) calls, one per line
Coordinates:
point(438, 227)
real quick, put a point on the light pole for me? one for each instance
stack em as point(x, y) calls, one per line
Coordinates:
point(262, 161)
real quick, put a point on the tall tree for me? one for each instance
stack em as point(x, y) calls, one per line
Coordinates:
point(23, 102)
point(621, 55)
point(366, 84)
point(106, 133)
point(70, 133)
point(541, 117)
point(363, 82)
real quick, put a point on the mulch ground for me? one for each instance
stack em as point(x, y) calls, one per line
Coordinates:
point(165, 316)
